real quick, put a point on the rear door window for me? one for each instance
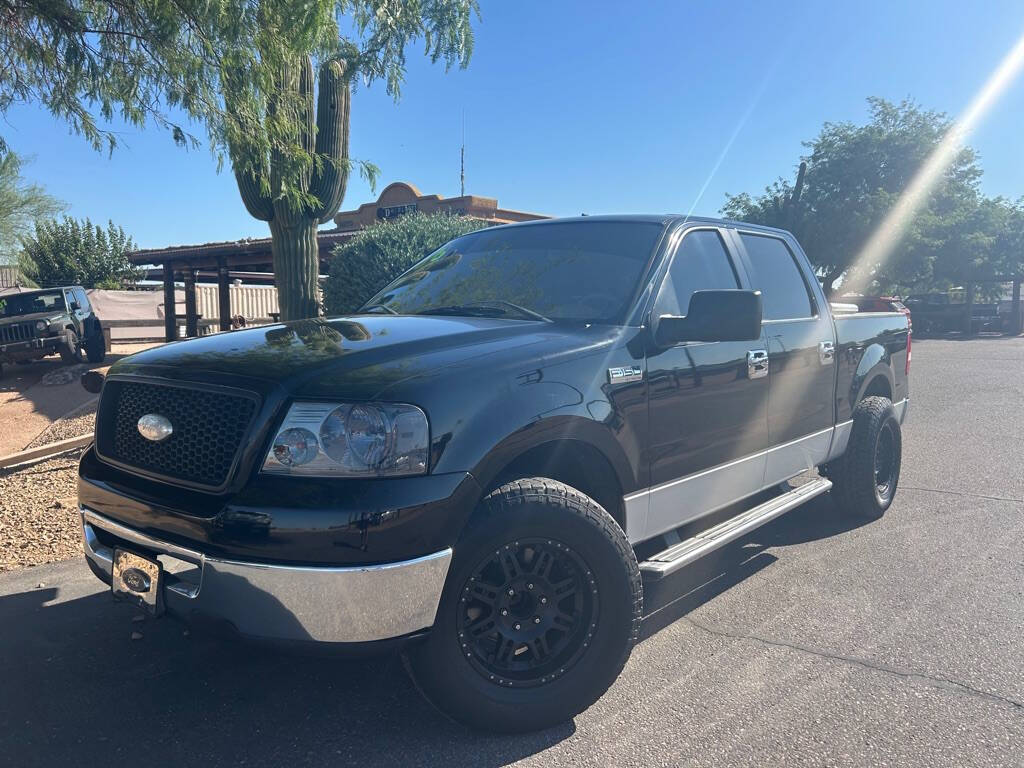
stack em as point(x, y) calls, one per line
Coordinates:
point(775, 273)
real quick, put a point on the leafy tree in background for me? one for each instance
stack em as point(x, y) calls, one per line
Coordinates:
point(21, 204)
point(854, 175)
point(380, 253)
point(78, 252)
point(243, 69)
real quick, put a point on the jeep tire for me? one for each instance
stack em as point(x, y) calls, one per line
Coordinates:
point(865, 477)
point(71, 352)
point(96, 347)
point(539, 613)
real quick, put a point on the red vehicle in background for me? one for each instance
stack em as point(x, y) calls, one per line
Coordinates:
point(878, 304)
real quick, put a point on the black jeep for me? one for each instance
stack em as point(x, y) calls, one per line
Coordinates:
point(35, 324)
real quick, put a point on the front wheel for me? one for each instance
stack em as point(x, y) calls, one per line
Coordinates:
point(540, 611)
point(96, 347)
point(71, 351)
point(864, 479)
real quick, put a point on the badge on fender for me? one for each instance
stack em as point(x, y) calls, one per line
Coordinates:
point(625, 375)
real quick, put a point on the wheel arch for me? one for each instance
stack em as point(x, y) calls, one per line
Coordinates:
point(874, 375)
point(577, 462)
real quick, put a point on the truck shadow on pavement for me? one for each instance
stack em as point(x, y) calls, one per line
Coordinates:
point(76, 689)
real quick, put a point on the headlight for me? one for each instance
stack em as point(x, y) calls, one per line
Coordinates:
point(42, 325)
point(350, 440)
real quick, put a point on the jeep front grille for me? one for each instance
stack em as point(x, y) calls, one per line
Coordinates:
point(16, 332)
point(208, 429)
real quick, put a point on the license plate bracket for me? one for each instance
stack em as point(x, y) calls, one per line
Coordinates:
point(137, 579)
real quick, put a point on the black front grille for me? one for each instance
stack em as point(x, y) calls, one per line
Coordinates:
point(16, 332)
point(208, 428)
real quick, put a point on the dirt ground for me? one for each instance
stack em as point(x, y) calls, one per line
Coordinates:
point(34, 396)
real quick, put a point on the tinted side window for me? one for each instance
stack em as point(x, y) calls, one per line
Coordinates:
point(776, 275)
point(701, 263)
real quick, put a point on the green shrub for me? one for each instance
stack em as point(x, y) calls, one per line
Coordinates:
point(380, 253)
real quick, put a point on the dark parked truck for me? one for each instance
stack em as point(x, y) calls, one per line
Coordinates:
point(34, 324)
point(470, 466)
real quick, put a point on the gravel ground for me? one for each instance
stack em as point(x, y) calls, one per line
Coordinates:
point(38, 519)
point(79, 422)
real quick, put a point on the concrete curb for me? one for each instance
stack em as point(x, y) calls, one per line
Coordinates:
point(45, 451)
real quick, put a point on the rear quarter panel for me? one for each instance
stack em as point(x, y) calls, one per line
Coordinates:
point(868, 345)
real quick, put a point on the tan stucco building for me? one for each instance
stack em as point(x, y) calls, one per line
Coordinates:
point(402, 197)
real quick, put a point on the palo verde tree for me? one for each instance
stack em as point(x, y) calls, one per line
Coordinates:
point(247, 71)
point(21, 204)
point(849, 180)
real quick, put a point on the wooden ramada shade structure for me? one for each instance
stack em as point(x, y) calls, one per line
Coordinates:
point(184, 262)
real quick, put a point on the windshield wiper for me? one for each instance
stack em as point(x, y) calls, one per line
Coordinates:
point(489, 308)
point(375, 307)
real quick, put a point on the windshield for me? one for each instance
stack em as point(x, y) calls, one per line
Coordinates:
point(585, 271)
point(29, 303)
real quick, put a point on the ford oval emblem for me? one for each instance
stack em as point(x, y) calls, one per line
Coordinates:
point(135, 580)
point(155, 427)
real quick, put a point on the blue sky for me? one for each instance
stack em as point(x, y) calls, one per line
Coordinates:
point(593, 107)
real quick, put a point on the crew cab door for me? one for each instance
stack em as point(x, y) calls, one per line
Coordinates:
point(707, 406)
point(800, 336)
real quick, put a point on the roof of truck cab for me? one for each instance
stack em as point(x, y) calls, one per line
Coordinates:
point(663, 219)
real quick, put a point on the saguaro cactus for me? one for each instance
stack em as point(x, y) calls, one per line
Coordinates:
point(320, 148)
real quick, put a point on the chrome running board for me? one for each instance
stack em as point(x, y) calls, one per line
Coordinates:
point(685, 552)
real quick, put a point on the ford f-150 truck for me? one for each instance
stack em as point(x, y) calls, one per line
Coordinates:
point(486, 464)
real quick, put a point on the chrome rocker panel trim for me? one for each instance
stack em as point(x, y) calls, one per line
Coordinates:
point(282, 602)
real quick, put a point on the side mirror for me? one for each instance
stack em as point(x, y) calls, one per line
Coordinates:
point(729, 315)
point(75, 306)
point(91, 381)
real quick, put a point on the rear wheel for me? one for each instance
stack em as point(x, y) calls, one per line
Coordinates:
point(539, 614)
point(865, 478)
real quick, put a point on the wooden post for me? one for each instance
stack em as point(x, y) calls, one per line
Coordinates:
point(1015, 319)
point(969, 310)
point(191, 311)
point(223, 297)
point(170, 314)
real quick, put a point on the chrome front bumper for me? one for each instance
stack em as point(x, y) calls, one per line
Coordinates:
point(280, 602)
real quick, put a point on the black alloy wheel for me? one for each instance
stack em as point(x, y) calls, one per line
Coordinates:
point(885, 469)
point(528, 612)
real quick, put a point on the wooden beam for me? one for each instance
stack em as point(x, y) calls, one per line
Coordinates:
point(170, 312)
point(223, 296)
point(191, 311)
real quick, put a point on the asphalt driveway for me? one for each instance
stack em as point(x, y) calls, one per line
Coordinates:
point(810, 642)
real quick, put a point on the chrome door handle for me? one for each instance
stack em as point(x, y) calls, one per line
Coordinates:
point(826, 352)
point(757, 363)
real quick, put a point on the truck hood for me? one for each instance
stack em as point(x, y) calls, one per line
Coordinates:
point(361, 354)
point(31, 318)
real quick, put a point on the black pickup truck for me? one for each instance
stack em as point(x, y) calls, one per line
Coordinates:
point(486, 463)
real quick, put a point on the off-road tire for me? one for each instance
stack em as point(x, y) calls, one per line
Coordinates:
point(855, 478)
point(96, 348)
point(72, 351)
point(551, 513)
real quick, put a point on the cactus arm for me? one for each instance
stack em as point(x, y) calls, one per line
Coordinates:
point(256, 201)
point(330, 174)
